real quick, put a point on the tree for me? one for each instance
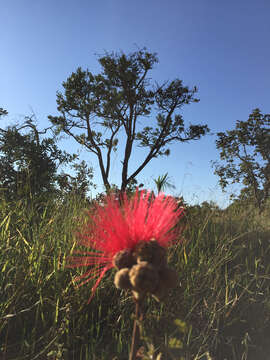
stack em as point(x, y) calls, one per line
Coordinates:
point(78, 183)
point(29, 162)
point(163, 182)
point(246, 154)
point(96, 109)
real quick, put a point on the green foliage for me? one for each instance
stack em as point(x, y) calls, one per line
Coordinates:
point(94, 109)
point(3, 112)
point(221, 308)
point(246, 154)
point(29, 164)
point(163, 182)
point(79, 183)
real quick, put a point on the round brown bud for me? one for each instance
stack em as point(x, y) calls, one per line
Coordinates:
point(143, 277)
point(169, 277)
point(151, 252)
point(121, 279)
point(160, 292)
point(123, 259)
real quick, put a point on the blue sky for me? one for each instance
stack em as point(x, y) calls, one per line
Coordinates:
point(221, 47)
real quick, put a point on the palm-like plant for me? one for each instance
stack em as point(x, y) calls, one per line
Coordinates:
point(163, 182)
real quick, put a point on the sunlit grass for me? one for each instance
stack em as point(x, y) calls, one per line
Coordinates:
point(221, 308)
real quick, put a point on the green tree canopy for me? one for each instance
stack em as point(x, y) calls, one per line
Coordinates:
point(122, 101)
point(245, 155)
point(29, 164)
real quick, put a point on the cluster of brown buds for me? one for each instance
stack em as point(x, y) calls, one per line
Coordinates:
point(144, 270)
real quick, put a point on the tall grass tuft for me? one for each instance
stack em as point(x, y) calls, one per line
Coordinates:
point(220, 310)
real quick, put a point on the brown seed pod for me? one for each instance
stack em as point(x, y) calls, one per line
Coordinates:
point(121, 279)
point(168, 278)
point(123, 259)
point(160, 292)
point(143, 277)
point(151, 252)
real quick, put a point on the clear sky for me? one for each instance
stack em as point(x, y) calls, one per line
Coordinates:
point(223, 47)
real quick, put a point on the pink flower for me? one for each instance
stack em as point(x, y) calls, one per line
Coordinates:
point(113, 227)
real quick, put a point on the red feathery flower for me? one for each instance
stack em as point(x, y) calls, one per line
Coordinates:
point(114, 227)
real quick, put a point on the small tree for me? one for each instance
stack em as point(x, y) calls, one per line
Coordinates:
point(246, 154)
point(95, 108)
point(29, 161)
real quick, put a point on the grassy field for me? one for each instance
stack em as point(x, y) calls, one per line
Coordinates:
point(220, 310)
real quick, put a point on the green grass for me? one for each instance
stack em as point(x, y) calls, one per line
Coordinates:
point(220, 310)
